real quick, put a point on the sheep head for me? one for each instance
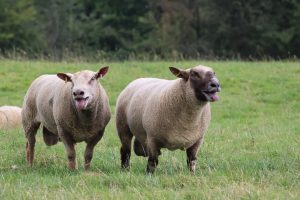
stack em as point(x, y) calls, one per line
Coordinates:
point(202, 80)
point(85, 87)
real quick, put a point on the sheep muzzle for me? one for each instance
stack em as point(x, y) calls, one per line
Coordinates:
point(81, 103)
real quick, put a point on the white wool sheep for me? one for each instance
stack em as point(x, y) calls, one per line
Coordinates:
point(10, 117)
point(172, 114)
point(72, 110)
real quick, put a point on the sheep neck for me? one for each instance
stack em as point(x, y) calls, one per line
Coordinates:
point(183, 102)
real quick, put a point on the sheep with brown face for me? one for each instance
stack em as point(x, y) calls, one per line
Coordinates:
point(172, 114)
point(71, 108)
point(10, 117)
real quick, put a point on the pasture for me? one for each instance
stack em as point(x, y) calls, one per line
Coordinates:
point(251, 149)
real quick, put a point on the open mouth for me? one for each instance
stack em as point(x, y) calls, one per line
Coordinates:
point(211, 95)
point(81, 103)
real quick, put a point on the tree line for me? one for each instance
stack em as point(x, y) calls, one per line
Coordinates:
point(150, 29)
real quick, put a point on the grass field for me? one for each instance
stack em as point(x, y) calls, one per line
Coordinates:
point(251, 150)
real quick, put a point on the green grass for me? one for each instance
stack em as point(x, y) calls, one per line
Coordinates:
point(251, 150)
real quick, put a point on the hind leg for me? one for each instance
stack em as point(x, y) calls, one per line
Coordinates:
point(125, 136)
point(30, 132)
point(139, 148)
point(49, 137)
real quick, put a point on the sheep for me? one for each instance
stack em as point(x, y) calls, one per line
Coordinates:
point(172, 114)
point(71, 108)
point(10, 117)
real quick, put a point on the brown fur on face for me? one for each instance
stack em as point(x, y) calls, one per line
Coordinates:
point(202, 80)
point(199, 80)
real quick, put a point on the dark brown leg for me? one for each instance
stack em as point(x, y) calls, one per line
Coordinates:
point(125, 136)
point(89, 150)
point(191, 155)
point(153, 152)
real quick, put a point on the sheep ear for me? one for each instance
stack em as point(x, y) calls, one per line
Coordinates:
point(179, 73)
point(101, 72)
point(64, 77)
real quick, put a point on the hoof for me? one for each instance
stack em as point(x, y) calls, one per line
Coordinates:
point(150, 169)
point(72, 166)
point(87, 166)
point(192, 166)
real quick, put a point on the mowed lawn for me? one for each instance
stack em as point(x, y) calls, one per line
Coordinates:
point(251, 150)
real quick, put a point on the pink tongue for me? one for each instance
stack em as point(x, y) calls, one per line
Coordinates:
point(214, 97)
point(80, 104)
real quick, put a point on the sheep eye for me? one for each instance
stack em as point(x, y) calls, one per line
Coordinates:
point(195, 74)
point(92, 79)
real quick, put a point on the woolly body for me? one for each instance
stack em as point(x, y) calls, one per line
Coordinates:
point(10, 117)
point(50, 101)
point(163, 110)
point(172, 114)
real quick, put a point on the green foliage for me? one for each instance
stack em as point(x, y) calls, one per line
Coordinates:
point(17, 24)
point(250, 28)
point(114, 25)
point(150, 29)
point(251, 149)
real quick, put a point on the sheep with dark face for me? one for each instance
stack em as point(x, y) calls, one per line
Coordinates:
point(172, 114)
point(72, 110)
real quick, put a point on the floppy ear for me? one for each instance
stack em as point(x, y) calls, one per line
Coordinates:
point(65, 77)
point(180, 73)
point(101, 72)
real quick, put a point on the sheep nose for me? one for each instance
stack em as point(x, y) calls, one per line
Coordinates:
point(78, 93)
point(215, 84)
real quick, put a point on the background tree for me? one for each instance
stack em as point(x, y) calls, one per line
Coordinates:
point(16, 16)
point(177, 29)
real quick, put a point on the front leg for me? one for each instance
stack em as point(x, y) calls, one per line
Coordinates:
point(191, 155)
point(153, 152)
point(69, 146)
point(89, 150)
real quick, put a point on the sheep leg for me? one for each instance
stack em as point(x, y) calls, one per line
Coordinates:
point(49, 137)
point(30, 144)
point(191, 155)
point(153, 152)
point(139, 148)
point(89, 150)
point(71, 155)
point(125, 136)
point(70, 148)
